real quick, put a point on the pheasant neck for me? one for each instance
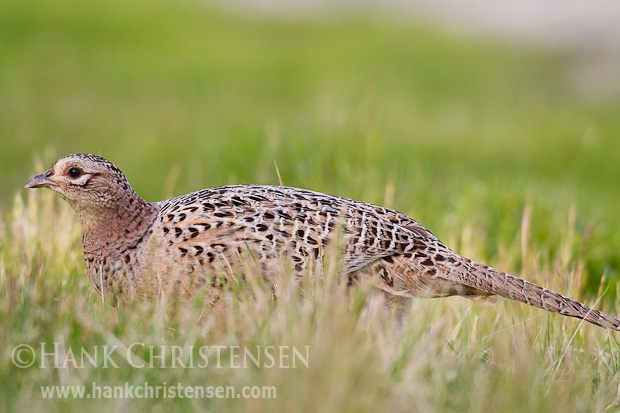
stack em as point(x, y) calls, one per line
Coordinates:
point(113, 229)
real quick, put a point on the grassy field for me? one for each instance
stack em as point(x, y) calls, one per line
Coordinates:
point(488, 146)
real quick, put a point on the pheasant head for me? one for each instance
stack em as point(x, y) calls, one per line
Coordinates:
point(98, 191)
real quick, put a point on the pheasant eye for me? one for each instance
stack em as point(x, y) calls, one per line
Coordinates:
point(74, 172)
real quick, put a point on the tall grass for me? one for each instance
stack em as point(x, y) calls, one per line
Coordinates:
point(450, 355)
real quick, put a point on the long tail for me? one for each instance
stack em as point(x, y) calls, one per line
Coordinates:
point(487, 279)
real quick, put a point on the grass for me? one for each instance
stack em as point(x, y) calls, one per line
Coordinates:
point(488, 147)
point(450, 355)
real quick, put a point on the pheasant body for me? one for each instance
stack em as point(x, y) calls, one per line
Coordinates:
point(137, 248)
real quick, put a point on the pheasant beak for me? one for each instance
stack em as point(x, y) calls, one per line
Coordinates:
point(41, 180)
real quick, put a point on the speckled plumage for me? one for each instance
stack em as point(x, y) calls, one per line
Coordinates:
point(136, 248)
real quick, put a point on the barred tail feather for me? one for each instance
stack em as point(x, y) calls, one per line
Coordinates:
point(493, 281)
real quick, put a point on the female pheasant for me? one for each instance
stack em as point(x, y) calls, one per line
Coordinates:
point(137, 248)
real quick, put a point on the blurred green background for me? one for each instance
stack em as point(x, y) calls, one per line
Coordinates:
point(461, 133)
